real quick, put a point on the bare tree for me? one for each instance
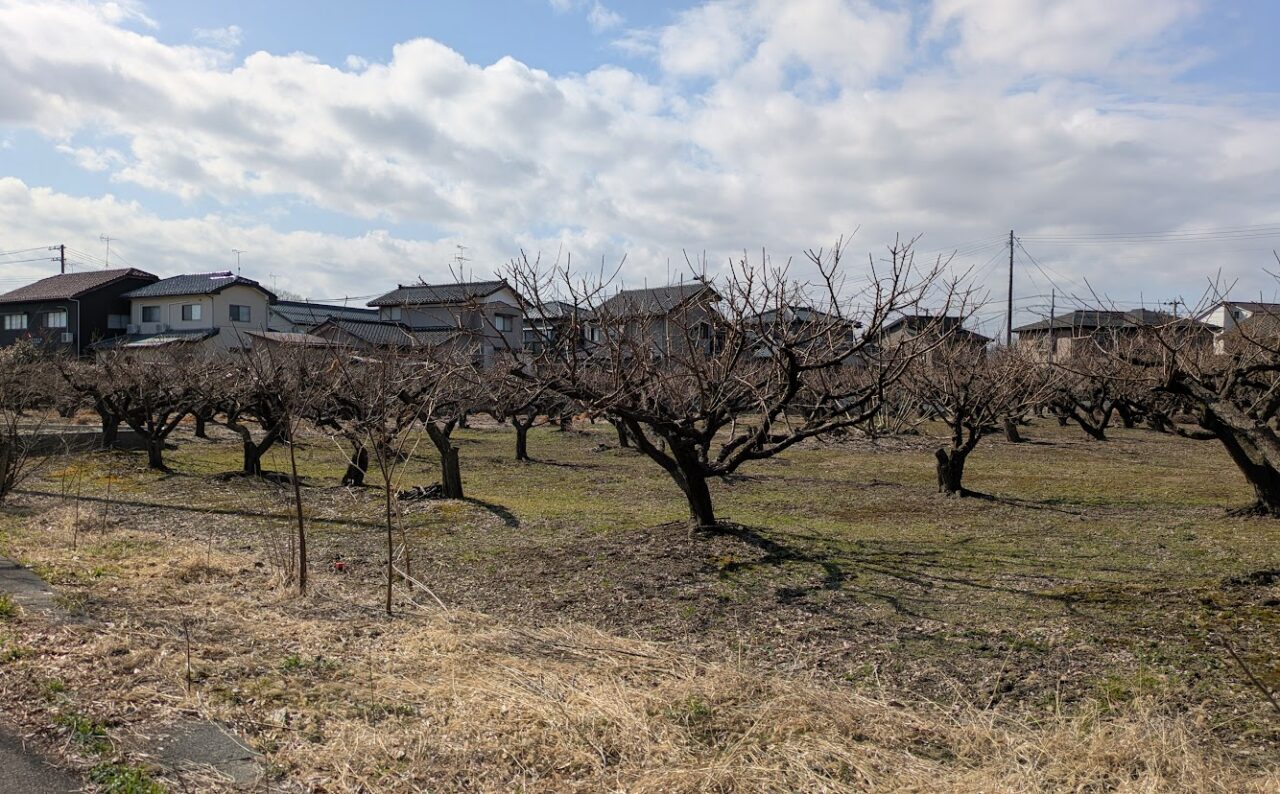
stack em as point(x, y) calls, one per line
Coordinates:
point(974, 392)
point(1232, 389)
point(151, 392)
point(24, 396)
point(521, 401)
point(707, 378)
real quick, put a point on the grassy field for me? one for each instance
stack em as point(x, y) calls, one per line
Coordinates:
point(850, 629)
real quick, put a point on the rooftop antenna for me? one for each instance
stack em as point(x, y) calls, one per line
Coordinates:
point(460, 259)
point(237, 252)
point(104, 238)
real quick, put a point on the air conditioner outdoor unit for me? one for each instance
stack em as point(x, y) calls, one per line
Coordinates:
point(131, 329)
point(68, 338)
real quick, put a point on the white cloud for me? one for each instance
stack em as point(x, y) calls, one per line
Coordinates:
point(227, 38)
point(600, 17)
point(769, 123)
point(92, 159)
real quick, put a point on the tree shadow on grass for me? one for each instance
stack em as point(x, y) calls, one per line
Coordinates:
point(509, 518)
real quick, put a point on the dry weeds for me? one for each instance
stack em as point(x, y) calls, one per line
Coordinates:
point(339, 698)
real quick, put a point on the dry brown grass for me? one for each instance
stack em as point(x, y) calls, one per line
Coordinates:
point(339, 698)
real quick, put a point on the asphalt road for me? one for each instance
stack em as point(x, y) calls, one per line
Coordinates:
point(24, 772)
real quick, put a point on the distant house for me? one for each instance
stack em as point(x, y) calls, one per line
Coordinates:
point(214, 310)
point(71, 311)
point(928, 329)
point(487, 312)
point(1224, 317)
point(1083, 329)
point(668, 319)
point(387, 335)
point(819, 330)
point(548, 323)
point(302, 316)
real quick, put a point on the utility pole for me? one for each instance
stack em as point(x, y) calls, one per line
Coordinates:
point(104, 238)
point(62, 259)
point(1008, 332)
point(1053, 309)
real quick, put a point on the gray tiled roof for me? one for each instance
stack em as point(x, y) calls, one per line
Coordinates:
point(422, 294)
point(195, 284)
point(1090, 319)
point(307, 314)
point(379, 333)
point(654, 300)
point(71, 285)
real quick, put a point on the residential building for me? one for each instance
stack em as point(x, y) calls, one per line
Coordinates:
point(1226, 315)
point(668, 319)
point(302, 316)
point(487, 312)
point(928, 329)
point(549, 323)
point(71, 311)
point(820, 331)
point(1059, 337)
point(215, 310)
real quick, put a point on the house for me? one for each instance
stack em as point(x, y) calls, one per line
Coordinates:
point(820, 331)
point(214, 310)
point(667, 319)
point(1084, 329)
point(1225, 316)
point(487, 312)
point(71, 311)
point(387, 335)
point(302, 316)
point(929, 329)
point(548, 323)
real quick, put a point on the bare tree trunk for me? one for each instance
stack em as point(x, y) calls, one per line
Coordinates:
point(200, 426)
point(698, 494)
point(522, 439)
point(155, 454)
point(297, 505)
point(451, 473)
point(951, 470)
point(110, 426)
point(1011, 433)
point(357, 466)
point(1245, 444)
point(624, 440)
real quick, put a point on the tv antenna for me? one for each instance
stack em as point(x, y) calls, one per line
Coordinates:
point(104, 238)
point(237, 252)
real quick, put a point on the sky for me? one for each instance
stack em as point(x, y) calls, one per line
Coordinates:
point(343, 148)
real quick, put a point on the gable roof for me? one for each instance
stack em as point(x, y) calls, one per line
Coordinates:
point(197, 284)
point(1091, 319)
point(306, 313)
point(422, 294)
point(71, 285)
point(378, 333)
point(656, 300)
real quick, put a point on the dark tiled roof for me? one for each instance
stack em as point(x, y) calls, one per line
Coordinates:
point(71, 285)
point(307, 314)
point(799, 314)
point(379, 333)
point(1090, 319)
point(551, 310)
point(433, 337)
point(655, 300)
point(195, 284)
point(422, 294)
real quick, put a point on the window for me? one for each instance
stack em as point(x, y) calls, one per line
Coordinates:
point(55, 319)
point(239, 314)
point(151, 314)
point(117, 322)
point(15, 322)
point(504, 322)
point(395, 313)
point(191, 311)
